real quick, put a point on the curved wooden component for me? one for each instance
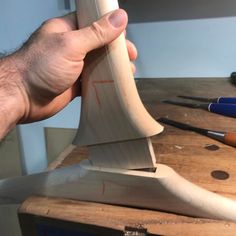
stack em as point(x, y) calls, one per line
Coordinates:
point(163, 190)
point(111, 108)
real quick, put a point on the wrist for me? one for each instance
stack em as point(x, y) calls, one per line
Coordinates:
point(12, 95)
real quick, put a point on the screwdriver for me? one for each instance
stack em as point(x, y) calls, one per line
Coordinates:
point(228, 138)
point(231, 100)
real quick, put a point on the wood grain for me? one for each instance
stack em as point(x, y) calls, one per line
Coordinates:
point(115, 217)
point(117, 154)
point(111, 108)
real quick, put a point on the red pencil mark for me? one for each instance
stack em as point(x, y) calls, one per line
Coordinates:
point(95, 89)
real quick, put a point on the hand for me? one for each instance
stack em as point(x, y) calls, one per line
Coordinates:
point(51, 61)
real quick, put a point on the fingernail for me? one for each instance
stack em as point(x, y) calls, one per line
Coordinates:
point(117, 18)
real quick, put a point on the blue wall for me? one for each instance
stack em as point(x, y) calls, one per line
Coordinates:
point(18, 19)
point(187, 48)
point(183, 38)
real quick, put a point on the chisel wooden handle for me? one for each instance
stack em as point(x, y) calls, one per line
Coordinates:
point(230, 139)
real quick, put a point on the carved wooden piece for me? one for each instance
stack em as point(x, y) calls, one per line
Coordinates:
point(162, 190)
point(111, 108)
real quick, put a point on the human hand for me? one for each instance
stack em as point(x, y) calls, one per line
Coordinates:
point(51, 61)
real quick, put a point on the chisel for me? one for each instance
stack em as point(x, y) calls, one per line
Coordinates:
point(218, 108)
point(228, 138)
point(231, 100)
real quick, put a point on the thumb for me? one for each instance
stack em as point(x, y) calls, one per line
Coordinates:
point(101, 32)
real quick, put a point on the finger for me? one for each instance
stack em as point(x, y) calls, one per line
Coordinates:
point(133, 67)
point(63, 99)
point(133, 53)
point(60, 24)
point(100, 32)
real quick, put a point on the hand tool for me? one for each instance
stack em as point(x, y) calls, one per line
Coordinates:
point(228, 138)
point(231, 100)
point(219, 108)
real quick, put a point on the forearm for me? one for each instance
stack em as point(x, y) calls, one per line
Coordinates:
point(11, 98)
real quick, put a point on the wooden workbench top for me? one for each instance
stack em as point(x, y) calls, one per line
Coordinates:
point(203, 161)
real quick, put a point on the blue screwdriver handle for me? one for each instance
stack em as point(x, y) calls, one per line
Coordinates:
point(231, 100)
point(223, 109)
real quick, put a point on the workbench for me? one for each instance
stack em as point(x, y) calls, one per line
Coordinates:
point(203, 161)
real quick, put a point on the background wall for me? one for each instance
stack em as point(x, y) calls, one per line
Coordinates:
point(183, 38)
point(21, 18)
point(175, 38)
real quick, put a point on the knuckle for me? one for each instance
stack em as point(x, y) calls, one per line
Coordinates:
point(50, 22)
point(51, 25)
point(98, 33)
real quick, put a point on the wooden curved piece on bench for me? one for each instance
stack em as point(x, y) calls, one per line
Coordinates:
point(162, 190)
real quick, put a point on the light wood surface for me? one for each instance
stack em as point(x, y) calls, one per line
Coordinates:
point(111, 108)
point(162, 190)
point(137, 153)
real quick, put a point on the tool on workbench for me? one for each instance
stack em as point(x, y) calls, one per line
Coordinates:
point(231, 100)
point(224, 109)
point(228, 138)
point(116, 128)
